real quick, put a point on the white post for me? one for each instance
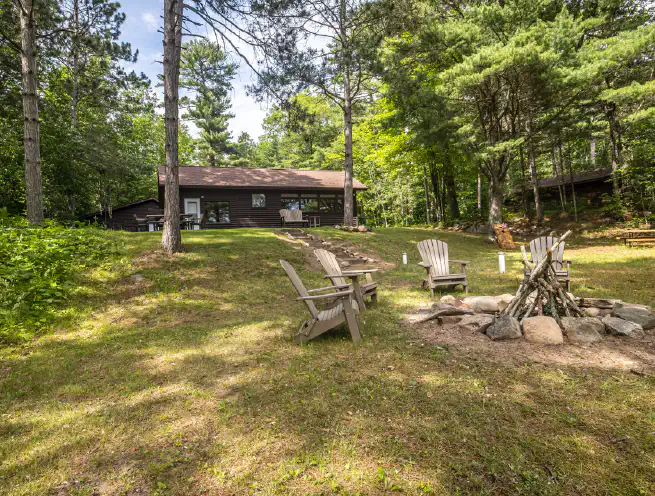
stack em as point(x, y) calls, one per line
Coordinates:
point(404, 258)
point(501, 262)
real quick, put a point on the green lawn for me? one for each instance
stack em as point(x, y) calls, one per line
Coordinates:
point(188, 383)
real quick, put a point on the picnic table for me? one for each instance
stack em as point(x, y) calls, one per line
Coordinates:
point(638, 236)
point(156, 221)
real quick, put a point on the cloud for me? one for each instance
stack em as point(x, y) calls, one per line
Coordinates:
point(150, 21)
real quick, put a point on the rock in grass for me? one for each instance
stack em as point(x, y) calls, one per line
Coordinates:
point(482, 304)
point(448, 299)
point(583, 329)
point(542, 330)
point(620, 327)
point(476, 323)
point(638, 315)
point(442, 309)
point(504, 327)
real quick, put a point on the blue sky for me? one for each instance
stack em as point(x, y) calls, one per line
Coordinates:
point(141, 31)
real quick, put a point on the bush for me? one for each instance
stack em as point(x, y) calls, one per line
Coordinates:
point(38, 271)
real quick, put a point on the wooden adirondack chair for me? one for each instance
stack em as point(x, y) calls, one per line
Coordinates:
point(337, 277)
point(435, 261)
point(293, 217)
point(340, 309)
point(538, 249)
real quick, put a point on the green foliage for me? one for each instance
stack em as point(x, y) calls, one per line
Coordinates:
point(38, 272)
point(206, 71)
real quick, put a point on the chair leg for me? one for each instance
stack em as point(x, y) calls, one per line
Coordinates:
point(374, 298)
point(466, 289)
point(568, 285)
point(431, 292)
point(351, 319)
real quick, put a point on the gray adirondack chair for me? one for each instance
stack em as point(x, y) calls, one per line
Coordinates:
point(434, 254)
point(341, 308)
point(338, 277)
point(293, 217)
point(538, 249)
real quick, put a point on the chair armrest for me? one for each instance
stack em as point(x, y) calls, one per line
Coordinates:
point(359, 272)
point(339, 294)
point(424, 265)
point(461, 261)
point(339, 286)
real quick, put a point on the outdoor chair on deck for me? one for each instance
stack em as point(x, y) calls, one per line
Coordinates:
point(293, 217)
point(141, 223)
point(337, 276)
point(538, 249)
point(435, 261)
point(341, 308)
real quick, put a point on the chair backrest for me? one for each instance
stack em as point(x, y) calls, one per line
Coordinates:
point(330, 264)
point(539, 247)
point(293, 215)
point(283, 213)
point(300, 287)
point(435, 253)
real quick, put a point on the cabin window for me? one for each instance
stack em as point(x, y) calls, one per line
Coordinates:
point(290, 201)
point(217, 212)
point(309, 202)
point(258, 200)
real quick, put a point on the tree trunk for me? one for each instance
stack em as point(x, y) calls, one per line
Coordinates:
point(31, 141)
point(436, 189)
point(524, 189)
point(615, 145)
point(532, 159)
point(212, 160)
point(592, 151)
point(172, 236)
point(427, 195)
point(575, 205)
point(348, 154)
point(449, 179)
point(496, 194)
point(557, 177)
point(75, 96)
point(480, 194)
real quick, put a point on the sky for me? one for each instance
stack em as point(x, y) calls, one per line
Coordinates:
point(142, 30)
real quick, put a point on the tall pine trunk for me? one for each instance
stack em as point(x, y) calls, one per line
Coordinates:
point(615, 146)
point(496, 194)
point(31, 135)
point(449, 179)
point(532, 159)
point(348, 208)
point(75, 94)
point(479, 194)
point(172, 236)
point(524, 189)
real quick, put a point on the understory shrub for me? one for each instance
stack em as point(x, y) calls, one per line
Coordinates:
point(39, 267)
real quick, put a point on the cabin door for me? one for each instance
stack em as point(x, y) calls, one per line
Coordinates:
point(192, 206)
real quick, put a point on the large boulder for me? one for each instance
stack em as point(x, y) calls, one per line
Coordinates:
point(597, 302)
point(504, 327)
point(638, 315)
point(620, 327)
point(482, 304)
point(504, 300)
point(583, 329)
point(592, 312)
point(478, 323)
point(542, 330)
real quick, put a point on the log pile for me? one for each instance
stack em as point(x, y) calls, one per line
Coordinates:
point(542, 293)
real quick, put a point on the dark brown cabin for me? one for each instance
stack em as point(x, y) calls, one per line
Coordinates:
point(124, 216)
point(243, 197)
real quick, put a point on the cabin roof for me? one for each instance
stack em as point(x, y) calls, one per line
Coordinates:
point(244, 177)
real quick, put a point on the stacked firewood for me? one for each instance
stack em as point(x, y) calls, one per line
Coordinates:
point(542, 293)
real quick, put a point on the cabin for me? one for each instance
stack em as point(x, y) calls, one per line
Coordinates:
point(124, 217)
point(243, 197)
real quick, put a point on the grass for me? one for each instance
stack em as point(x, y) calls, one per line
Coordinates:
point(188, 383)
